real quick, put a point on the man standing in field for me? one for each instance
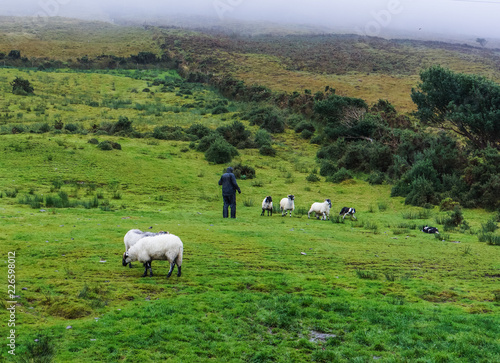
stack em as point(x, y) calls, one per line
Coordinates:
point(229, 188)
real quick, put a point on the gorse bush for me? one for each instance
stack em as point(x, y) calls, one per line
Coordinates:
point(236, 134)
point(198, 130)
point(262, 138)
point(220, 151)
point(268, 118)
point(313, 178)
point(21, 87)
point(267, 150)
point(243, 171)
point(490, 226)
point(340, 176)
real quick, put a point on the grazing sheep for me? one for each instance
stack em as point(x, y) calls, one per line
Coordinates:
point(348, 211)
point(287, 204)
point(161, 247)
point(428, 229)
point(321, 209)
point(134, 235)
point(267, 204)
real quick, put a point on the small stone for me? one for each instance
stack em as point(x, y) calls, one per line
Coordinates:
point(303, 253)
point(69, 327)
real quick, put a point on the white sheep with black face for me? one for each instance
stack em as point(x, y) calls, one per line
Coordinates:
point(287, 204)
point(267, 204)
point(161, 247)
point(321, 209)
point(134, 235)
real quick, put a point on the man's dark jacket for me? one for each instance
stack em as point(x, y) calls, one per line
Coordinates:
point(228, 182)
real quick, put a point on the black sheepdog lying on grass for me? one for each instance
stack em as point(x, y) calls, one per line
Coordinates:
point(428, 229)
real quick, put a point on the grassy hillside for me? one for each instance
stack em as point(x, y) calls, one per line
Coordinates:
point(368, 68)
point(254, 289)
point(68, 39)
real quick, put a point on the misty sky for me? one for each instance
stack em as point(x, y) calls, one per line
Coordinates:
point(369, 17)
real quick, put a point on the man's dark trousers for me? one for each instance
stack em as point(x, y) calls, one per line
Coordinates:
point(229, 201)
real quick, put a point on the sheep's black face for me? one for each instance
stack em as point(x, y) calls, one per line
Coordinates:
point(124, 260)
point(329, 202)
point(292, 197)
point(269, 199)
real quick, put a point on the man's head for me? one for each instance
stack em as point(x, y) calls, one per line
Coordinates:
point(229, 170)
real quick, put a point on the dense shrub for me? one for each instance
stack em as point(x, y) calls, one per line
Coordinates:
point(313, 178)
point(105, 145)
point(268, 118)
point(482, 176)
point(340, 176)
point(304, 125)
point(43, 128)
point(421, 193)
point(71, 127)
point(262, 137)
point(219, 110)
point(243, 171)
point(448, 204)
point(294, 120)
point(198, 130)
point(122, 125)
point(306, 134)
point(267, 150)
point(377, 178)
point(220, 151)
point(207, 141)
point(455, 218)
point(328, 168)
point(420, 185)
point(236, 134)
point(170, 133)
point(337, 109)
point(21, 87)
point(355, 157)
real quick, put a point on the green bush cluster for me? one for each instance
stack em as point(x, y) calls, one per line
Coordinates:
point(268, 118)
point(220, 151)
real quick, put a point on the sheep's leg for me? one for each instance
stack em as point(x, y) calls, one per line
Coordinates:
point(145, 264)
point(263, 212)
point(150, 270)
point(130, 264)
point(172, 264)
point(178, 271)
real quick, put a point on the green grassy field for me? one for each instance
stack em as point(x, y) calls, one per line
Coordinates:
point(254, 289)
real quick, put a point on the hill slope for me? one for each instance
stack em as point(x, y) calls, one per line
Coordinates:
point(369, 68)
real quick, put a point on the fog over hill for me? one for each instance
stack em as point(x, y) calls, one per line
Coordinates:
point(448, 20)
